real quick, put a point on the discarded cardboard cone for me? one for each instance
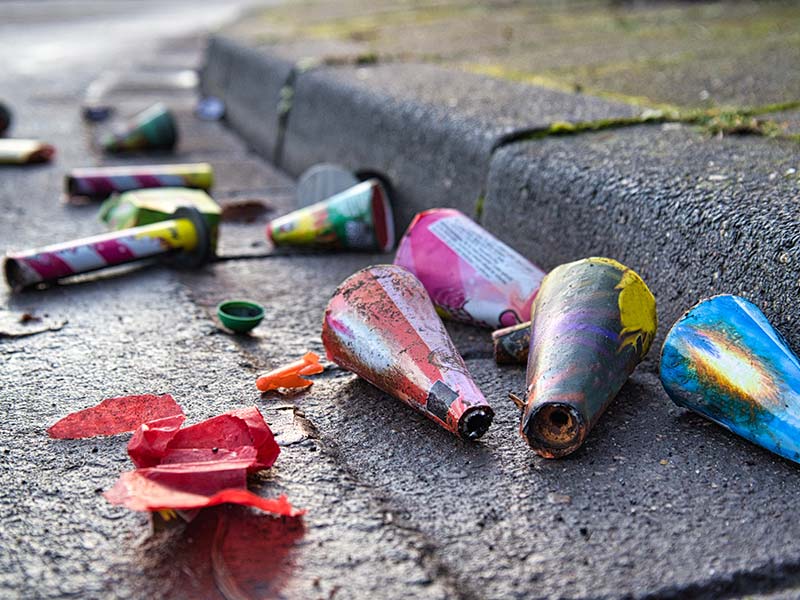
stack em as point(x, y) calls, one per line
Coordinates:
point(152, 129)
point(22, 152)
point(184, 240)
point(99, 183)
point(471, 275)
point(511, 344)
point(725, 361)
point(593, 322)
point(381, 325)
point(359, 218)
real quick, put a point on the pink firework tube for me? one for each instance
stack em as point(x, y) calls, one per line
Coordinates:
point(381, 325)
point(185, 239)
point(101, 182)
point(471, 275)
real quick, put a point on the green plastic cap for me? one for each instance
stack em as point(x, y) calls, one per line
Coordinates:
point(240, 315)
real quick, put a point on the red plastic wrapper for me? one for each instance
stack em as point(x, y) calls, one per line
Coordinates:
point(156, 442)
point(198, 466)
point(115, 415)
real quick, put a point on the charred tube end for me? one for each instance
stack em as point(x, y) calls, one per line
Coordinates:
point(15, 275)
point(554, 430)
point(475, 422)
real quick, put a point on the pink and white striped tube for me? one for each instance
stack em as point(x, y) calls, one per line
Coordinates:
point(186, 236)
point(101, 182)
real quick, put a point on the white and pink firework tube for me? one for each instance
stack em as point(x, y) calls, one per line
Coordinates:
point(187, 235)
point(101, 182)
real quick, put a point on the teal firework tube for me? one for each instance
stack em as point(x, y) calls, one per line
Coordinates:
point(100, 182)
point(152, 129)
point(185, 238)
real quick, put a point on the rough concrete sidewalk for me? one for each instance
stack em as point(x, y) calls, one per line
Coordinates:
point(658, 504)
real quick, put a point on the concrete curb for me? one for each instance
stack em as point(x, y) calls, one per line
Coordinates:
point(431, 131)
point(443, 138)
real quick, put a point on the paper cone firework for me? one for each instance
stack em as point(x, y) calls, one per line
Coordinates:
point(359, 218)
point(381, 325)
point(593, 322)
point(724, 360)
point(471, 275)
point(153, 129)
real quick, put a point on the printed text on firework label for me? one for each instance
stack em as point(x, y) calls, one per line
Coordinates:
point(487, 255)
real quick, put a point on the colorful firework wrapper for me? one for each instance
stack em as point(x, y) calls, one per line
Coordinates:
point(101, 182)
point(724, 360)
point(359, 218)
point(593, 322)
point(184, 240)
point(381, 325)
point(144, 207)
point(471, 275)
point(511, 344)
point(22, 152)
point(152, 129)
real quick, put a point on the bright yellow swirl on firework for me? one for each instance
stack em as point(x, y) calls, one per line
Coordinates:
point(637, 308)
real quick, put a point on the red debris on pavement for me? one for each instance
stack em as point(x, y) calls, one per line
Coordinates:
point(198, 466)
point(115, 415)
point(289, 376)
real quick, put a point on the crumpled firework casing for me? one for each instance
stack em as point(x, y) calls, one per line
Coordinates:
point(381, 325)
point(359, 218)
point(724, 360)
point(471, 275)
point(593, 322)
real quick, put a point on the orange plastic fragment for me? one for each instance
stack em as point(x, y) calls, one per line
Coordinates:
point(289, 376)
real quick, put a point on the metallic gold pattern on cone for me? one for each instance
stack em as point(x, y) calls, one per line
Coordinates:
point(725, 361)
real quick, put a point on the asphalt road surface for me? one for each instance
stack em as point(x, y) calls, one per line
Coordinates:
point(658, 503)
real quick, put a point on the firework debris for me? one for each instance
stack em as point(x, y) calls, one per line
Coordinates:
point(114, 415)
point(471, 275)
point(98, 183)
point(184, 241)
point(152, 129)
point(23, 152)
point(593, 322)
point(381, 325)
point(291, 376)
point(359, 218)
point(724, 360)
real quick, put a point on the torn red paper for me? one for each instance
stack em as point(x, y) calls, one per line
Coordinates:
point(143, 490)
point(289, 376)
point(115, 415)
point(200, 465)
point(154, 441)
